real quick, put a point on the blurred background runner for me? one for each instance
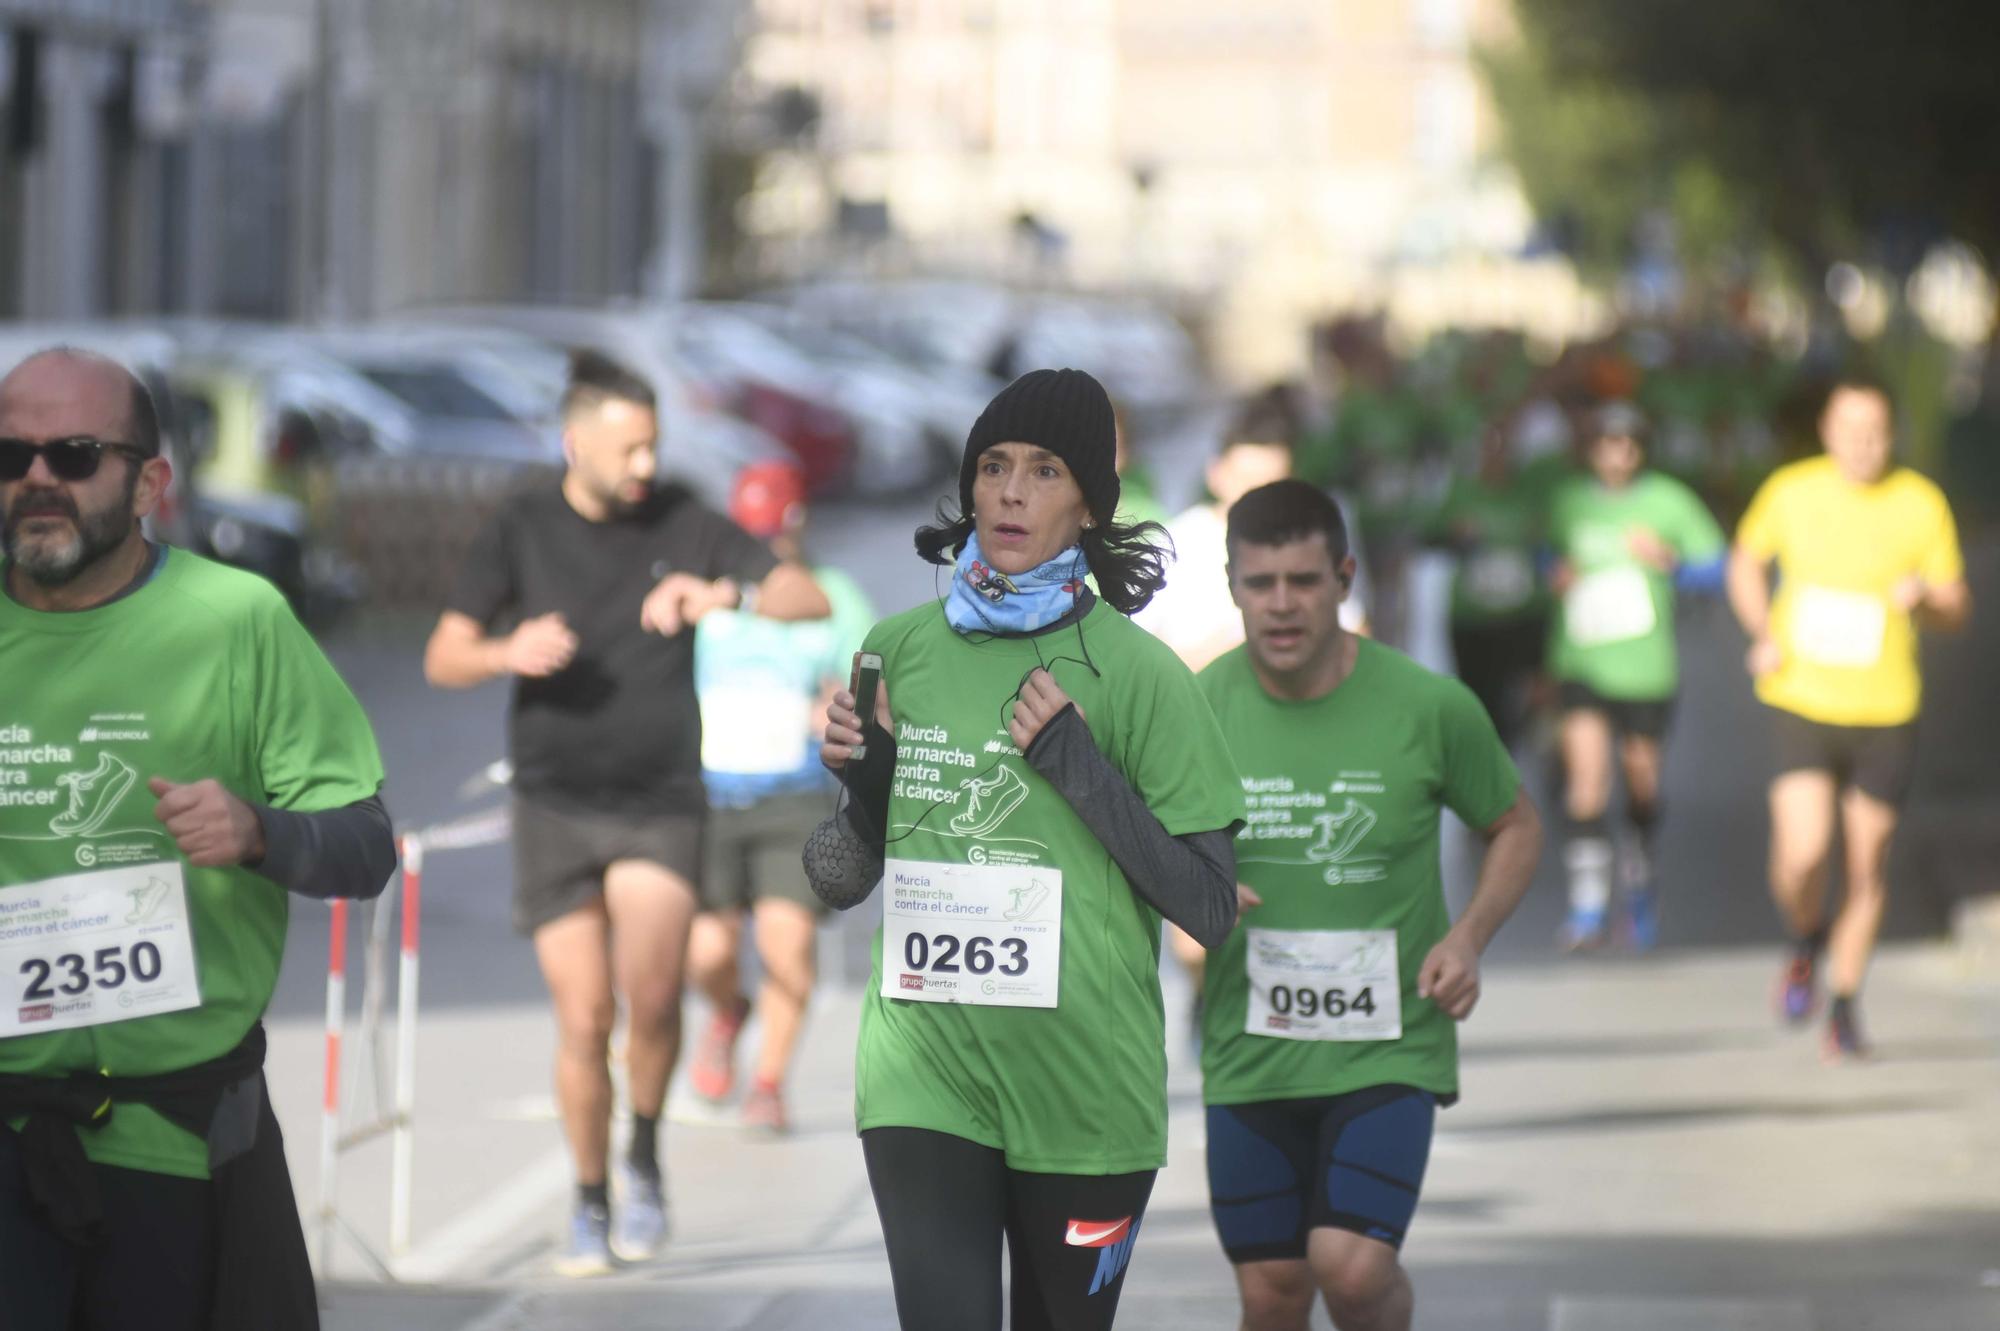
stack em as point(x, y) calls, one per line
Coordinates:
point(763, 685)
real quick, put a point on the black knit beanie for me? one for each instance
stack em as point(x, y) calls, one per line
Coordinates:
point(1064, 411)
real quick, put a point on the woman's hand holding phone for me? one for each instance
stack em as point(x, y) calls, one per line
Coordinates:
point(843, 739)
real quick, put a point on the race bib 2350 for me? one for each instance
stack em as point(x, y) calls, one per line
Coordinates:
point(88, 949)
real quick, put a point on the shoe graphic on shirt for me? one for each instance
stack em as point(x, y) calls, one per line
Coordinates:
point(1027, 900)
point(989, 802)
point(1340, 833)
point(93, 795)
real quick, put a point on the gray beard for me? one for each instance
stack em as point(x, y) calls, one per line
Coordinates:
point(93, 537)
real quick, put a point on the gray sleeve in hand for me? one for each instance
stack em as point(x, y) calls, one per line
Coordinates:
point(843, 863)
point(344, 852)
point(1189, 879)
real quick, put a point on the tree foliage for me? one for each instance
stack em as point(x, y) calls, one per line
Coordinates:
point(1826, 128)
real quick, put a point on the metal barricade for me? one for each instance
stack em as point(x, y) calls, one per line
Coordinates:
point(394, 1104)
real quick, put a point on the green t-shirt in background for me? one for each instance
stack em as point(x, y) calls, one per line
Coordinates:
point(203, 672)
point(1079, 1088)
point(1614, 628)
point(1496, 532)
point(1344, 794)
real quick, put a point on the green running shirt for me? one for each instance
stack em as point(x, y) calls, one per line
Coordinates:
point(1079, 1088)
point(1344, 794)
point(203, 672)
point(1614, 629)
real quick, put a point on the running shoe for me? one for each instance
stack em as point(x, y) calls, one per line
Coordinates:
point(1795, 995)
point(642, 1215)
point(589, 1251)
point(1642, 919)
point(1582, 930)
point(712, 1070)
point(764, 1109)
point(1842, 1042)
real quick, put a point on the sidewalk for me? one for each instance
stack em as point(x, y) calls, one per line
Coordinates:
point(1639, 1149)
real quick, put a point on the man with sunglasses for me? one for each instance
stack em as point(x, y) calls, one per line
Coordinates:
point(176, 757)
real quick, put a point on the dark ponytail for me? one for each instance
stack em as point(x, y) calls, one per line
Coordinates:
point(940, 543)
point(1129, 563)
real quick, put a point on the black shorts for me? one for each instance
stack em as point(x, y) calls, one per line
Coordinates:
point(1876, 760)
point(1497, 662)
point(754, 854)
point(1646, 718)
point(560, 857)
point(1279, 1169)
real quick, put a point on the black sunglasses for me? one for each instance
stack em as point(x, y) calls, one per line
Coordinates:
point(69, 459)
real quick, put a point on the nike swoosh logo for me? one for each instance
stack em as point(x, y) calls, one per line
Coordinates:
point(1101, 1234)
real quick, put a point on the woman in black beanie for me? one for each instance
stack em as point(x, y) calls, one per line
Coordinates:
point(1046, 784)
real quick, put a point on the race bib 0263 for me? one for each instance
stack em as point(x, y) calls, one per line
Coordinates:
point(1324, 984)
point(93, 948)
point(987, 934)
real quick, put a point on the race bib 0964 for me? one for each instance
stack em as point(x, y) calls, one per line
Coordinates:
point(1324, 984)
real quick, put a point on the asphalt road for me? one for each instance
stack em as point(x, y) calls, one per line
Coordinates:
point(1640, 1151)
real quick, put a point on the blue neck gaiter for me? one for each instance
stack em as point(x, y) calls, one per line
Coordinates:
point(983, 600)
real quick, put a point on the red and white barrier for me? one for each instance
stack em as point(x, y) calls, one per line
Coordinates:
point(395, 1118)
point(403, 1144)
point(405, 894)
point(329, 1128)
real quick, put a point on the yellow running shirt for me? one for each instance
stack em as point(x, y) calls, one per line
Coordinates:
point(1850, 657)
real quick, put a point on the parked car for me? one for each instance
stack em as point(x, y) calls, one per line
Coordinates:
point(911, 422)
point(701, 441)
point(903, 428)
point(1141, 353)
point(275, 413)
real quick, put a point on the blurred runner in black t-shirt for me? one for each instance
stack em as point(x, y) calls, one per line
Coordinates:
point(588, 594)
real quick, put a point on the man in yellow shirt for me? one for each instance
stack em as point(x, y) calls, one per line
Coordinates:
point(1866, 554)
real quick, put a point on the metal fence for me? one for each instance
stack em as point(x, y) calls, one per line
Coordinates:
point(407, 523)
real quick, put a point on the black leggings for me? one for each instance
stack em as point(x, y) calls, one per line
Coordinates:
point(945, 1202)
point(151, 1272)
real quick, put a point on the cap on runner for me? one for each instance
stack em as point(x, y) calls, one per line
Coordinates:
point(767, 498)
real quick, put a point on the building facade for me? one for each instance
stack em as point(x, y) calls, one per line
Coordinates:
point(87, 173)
point(320, 158)
point(1277, 158)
